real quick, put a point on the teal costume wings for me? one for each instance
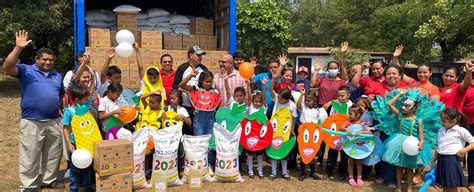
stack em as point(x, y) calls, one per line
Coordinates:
point(428, 111)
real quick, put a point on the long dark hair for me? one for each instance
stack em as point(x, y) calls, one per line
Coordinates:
point(453, 114)
point(204, 74)
point(456, 71)
point(285, 93)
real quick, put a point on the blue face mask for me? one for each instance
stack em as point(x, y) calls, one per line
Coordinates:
point(333, 72)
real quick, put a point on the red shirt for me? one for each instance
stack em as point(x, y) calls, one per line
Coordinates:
point(382, 88)
point(451, 96)
point(282, 85)
point(328, 89)
point(468, 105)
point(369, 85)
point(167, 80)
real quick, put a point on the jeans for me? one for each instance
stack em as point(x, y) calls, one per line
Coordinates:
point(470, 161)
point(85, 175)
point(203, 123)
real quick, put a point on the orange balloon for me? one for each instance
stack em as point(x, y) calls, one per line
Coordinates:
point(334, 123)
point(246, 70)
point(150, 145)
point(127, 114)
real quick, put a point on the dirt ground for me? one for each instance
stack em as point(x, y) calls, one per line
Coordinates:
point(9, 122)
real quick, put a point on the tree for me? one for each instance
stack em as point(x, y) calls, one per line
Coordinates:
point(451, 26)
point(263, 29)
point(49, 24)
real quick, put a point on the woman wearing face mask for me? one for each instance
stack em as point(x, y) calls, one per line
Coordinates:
point(329, 85)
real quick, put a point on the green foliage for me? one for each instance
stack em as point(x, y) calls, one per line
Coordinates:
point(352, 57)
point(263, 29)
point(49, 23)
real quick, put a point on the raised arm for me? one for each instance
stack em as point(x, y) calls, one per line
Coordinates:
point(9, 66)
point(467, 77)
point(342, 60)
point(275, 77)
point(185, 81)
point(249, 92)
point(141, 70)
point(264, 82)
point(396, 54)
point(358, 75)
point(314, 78)
point(84, 65)
point(299, 105)
point(105, 67)
point(144, 96)
point(92, 81)
point(394, 99)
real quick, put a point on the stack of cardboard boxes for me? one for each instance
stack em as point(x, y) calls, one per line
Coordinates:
point(113, 163)
point(153, 44)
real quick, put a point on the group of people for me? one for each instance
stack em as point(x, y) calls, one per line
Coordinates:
point(49, 102)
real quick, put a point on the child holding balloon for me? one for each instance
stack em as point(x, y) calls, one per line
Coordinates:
point(79, 96)
point(395, 147)
point(355, 113)
point(309, 113)
point(451, 147)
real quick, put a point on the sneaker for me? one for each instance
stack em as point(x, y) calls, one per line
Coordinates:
point(53, 185)
point(379, 180)
point(286, 176)
point(330, 177)
point(315, 176)
point(272, 177)
point(260, 175)
point(67, 174)
point(251, 175)
point(301, 178)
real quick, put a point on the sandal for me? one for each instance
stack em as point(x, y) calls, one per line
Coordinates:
point(352, 182)
point(392, 187)
point(360, 182)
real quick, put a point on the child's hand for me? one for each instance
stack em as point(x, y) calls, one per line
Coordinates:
point(303, 91)
point(254, 61)
point(358, 133)
point(420, 145)
point(282, 59)
point(365, 66)
point(264, 81)
point(111, 53)
point(349, 133)
point(116, 112)
point(70, 147)
point(403, 91)
point(194, 73)
point(158, 92)
point(326, 105)
point(461, 153)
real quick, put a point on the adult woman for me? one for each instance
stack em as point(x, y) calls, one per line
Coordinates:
point(468, 109)
point(423, 84)
point(451, 92)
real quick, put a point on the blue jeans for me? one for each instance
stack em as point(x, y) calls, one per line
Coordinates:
point(203, 123)
point(85, 175)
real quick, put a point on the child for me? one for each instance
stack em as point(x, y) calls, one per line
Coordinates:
point(80, 96)
point(110, 105)
point(203, 121)
point(258, 101)
point(310, 113)
point(283, 99)
point(151, 82)
point(303, 81)
point(152, 108)
point(175, 100)
point(343, 94)
point(409, 126)
point(451, 141)
point(355, 113)
point(239, 97)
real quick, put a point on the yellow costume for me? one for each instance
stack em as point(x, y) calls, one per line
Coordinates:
point(153, 87)
point(85, 129)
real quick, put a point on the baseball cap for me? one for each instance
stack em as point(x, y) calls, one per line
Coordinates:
point(197, 50)
point(303, 69)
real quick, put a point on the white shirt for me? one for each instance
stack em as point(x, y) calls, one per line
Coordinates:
point(192, 82)
point(182, 111)
point(252, 109)
point(450, 141)
point(349, 104)
point(230, 103)
point(67, 78)
point(312, 115)
point(290, 105)
point(107, 105)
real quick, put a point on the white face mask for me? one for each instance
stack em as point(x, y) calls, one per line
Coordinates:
point(333, 72)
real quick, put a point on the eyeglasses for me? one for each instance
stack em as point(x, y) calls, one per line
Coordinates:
point(167, 61)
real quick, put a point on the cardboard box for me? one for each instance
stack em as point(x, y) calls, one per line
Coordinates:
point(172, 41)
point(117, 183)
point(208, 43)
point(127, 21)
point(189, 41)
point(98, 56)
point(98, 37)
point(200, 26)
point(136, 34)
point(151, 39)
point(179, 57)
point(151, 57)
point(114, 156)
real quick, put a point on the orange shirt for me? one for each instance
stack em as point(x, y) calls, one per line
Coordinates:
point(425, 88)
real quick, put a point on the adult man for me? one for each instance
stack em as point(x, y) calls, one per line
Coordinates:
point(195, 54)
point(40, 133)
point(272, 68)
point(167, 72)
point(239, 58)
point(235, 79)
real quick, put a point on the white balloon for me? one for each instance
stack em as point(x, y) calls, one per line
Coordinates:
point(410, 145)
point(124, 49)
point(81, 158)
point(124, 36)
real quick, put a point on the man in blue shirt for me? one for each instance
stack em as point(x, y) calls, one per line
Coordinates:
point(272, 68)
point(40, 133)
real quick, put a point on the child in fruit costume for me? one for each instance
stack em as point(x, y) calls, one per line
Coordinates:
point(151, 82)
point(182, 116)
point(205, 100)
point(410, 116)
point(283, 123)
point(355, 112)
point(310, 113)
point(80, 131)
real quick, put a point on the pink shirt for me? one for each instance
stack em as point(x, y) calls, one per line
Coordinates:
point(451, 96)
point(468, 105)
point(235, 81)
point(328, 89)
